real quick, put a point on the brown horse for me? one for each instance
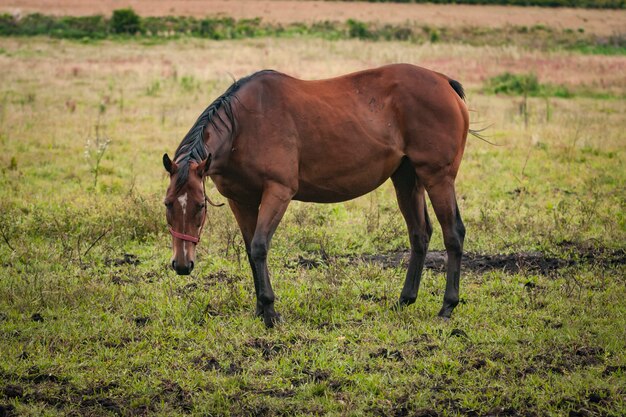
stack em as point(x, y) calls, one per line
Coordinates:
point(271, 138)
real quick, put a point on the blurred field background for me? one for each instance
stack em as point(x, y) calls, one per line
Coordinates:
point(597, 20)
point(93, 323)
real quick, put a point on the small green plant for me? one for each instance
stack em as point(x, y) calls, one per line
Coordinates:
point(189, 83)
point(94, 152)
point(153, 88)
point(27, 99)
point(548, 110)
point(121, 101)
point(125, 21)
point(434, 36)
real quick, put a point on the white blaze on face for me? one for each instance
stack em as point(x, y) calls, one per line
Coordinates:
point(183, 203)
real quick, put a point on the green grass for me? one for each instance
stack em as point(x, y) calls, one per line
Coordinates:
point(92, 321)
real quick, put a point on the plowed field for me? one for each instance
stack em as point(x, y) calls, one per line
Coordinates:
point(601, 22)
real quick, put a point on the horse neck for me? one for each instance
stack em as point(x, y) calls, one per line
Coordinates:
point(219, 146)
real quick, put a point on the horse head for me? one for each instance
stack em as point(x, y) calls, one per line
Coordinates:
point(185, 203)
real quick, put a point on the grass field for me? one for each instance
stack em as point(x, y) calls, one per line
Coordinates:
point(92, 321)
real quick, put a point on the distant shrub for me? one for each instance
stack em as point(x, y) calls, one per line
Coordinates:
point(210, 28)
point(513, 84)
point(248, 28)
point(358, 29)
point(401, 33)
point(60, 27)
point(524, 85)
point(36, 24)
point(8, 25)
point(125, 21)
point(95, 27)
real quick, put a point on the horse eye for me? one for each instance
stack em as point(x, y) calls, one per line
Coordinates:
point(168, 205)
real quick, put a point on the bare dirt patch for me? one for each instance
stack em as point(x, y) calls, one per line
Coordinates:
point(511, 263)
point(537, 262)
point(600, 22)
point(60, 394)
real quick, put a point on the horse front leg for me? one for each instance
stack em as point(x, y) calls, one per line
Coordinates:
point(246, 217)
point(274, 203)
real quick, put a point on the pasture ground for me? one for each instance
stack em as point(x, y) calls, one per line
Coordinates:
point(92, 322)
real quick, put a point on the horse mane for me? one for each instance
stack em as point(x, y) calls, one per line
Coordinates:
point(192, 147)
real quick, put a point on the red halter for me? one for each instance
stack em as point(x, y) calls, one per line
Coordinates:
point(185, 237)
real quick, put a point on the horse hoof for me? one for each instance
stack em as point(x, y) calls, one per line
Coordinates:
point(272, 320)
point(445, 314)
point(403, 302)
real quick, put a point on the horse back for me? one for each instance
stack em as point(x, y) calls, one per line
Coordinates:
point(339, 138)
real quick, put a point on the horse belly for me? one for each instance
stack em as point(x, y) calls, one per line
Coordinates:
point(330, 179)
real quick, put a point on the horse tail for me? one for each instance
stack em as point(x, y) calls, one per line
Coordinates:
point(477, 133)
point(457, 87)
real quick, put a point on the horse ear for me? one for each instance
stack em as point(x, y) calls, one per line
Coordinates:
point(203, 167)
point(168, 164)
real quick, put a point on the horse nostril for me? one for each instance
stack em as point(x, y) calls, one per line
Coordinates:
point(174, 265)
point(190, 266)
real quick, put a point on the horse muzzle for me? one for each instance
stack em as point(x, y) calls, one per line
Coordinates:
point(183, 265)
point(182, 269)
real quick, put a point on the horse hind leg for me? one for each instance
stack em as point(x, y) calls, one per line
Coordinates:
point(443, 199)
point(410, 195)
